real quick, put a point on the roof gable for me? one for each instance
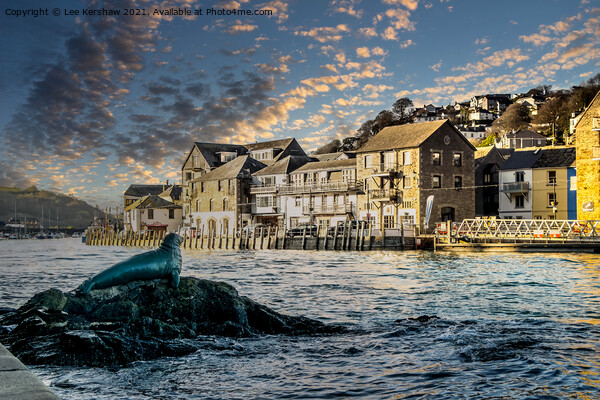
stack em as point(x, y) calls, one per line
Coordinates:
point(143, 190)
point(327, 165)
point(236, 168)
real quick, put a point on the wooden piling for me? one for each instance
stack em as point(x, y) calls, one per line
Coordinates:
point(262, 237)
point(357, 235)
point(269, 238)
point(276, 237)
point(370, 235)
point(304, 238)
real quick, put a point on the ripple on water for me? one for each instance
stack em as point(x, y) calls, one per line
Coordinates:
point(421, 325)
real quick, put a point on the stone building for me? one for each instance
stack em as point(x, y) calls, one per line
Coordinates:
point(153, 214)
point(221, 198)
point(587, 131)
point(403, 165)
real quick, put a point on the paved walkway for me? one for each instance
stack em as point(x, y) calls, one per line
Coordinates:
point(18, 383)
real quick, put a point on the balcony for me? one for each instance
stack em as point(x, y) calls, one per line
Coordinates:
point(515, 187)
point(260, 189)
point(385, 169)
point(384, 194)
point(327, 187)
point(328, 209)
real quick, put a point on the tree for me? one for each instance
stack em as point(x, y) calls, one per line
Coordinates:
point(515, 117)
point(402, 107)
point(555, 114)
point(331, 147)
point(542, 90)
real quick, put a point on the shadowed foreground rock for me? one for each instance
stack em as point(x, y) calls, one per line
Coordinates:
point(138, 321)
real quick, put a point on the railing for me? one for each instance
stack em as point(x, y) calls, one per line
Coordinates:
point(524, 228)
point(260, 189)
point(328, 209)
point(385, 167)
point(383, 194)
point(334, 186)
point(515, 187)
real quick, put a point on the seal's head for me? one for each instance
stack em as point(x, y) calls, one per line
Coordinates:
point(171, 242)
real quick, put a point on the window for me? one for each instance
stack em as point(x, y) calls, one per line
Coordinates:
point(519, 201)
point(211, 205)
point(171, 213)
point(230, 186)
point(457, 159)
point(406, 182)
point(150, 213)
point(551, 177)
point(336, 199)
point(298, 202)
point(220, 186)
point(368, 161)
point(225, 204)
point(389, 160)
point(406, 157)
point(458, 182)
point(519, 176)
point(348, 175)
point(436, 181)
point(269, 180)
point(551, 199)
point(196, 161)
point(388, 221)
point(436, 158)
point(202, 187)
point(264, 201)
point(487, 178)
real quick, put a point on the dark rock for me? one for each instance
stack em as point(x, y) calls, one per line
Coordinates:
point(138, 321)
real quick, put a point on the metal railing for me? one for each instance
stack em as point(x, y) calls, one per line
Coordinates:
point(332, 186)
point(515, 187)
point(261, 189)
point(523, 228)
point(328, 209)
point(383, 194)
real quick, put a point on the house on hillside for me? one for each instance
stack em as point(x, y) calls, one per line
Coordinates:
point(496, 103)
point(521, 139)
point(532, 103)
point(403, 165)
point(539, 184)
point(135, 192)
point(220, 199)
point(270, 152)
point(587, 139)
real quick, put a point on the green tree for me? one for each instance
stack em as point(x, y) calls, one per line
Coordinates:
point(331, 147)
point(515, 117)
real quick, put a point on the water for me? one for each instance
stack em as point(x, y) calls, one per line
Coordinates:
point(499, 326)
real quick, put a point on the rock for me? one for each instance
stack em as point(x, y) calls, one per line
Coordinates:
point(138, 321)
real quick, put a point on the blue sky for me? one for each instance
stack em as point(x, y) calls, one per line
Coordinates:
point(91, 104)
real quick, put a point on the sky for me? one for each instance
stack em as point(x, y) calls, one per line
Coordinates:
point(90, 104)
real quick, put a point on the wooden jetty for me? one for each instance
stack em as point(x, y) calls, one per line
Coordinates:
point(266, 238)
point(525, 235)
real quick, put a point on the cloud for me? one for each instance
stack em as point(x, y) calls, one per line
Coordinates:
point(389, 34)
point(325, 34)
point(279, 9)
point(436, 67)
point(410, 4)
point(240, 27)
point(400, 19)
point(346, 7)
point(368, 32)
point(363, 52)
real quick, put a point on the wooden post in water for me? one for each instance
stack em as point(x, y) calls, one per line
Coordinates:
point(221, 238)
point(262, 237)
point(370, 235)
point(283, 240)
point(317, 238)
point(269, 238)
point(325, 239)
point(357, 235)
point(335, 234)
point(276, 237)
point(304, 238)
point(362, 235)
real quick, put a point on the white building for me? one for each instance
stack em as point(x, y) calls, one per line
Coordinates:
point(515, 180)
point(152, 213)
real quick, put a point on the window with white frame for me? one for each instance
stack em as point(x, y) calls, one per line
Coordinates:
point(348, 175)
point(519, 201)
point(406, 157)
point(264, 201)
point(406, 182)
point(551, 177)
point(298, 201)
point(388, 222)
point(368, 161)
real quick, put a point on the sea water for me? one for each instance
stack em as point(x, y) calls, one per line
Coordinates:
point(420, 325)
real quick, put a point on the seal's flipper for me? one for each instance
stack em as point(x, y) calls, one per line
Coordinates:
point(86, 286)
point(175, 279)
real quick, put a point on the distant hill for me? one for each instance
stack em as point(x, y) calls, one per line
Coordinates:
point(71, 211)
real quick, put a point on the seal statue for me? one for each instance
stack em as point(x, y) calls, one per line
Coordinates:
point(164, 262)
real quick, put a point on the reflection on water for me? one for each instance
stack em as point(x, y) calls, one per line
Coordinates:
point(422, 325)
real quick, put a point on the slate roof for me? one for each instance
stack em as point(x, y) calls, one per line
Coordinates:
point(284, 166)
point(333, 156)
point(209, 151)
point(173, 192)
point(233, 169)
point(325, 165)
point(151, 201)
point(143, 190)
point(406, 136)
point(524, 134)
point(277, 144)
point(554, 157)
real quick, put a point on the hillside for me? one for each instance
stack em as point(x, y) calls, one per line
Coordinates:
point(71, 211)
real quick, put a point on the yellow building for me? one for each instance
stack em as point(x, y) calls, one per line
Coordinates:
point(587, 133)
point(552, 183)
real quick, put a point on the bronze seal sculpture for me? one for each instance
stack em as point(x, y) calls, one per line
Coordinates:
point(164, 262)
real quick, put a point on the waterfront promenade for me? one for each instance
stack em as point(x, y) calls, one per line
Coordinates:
point(18, 383)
